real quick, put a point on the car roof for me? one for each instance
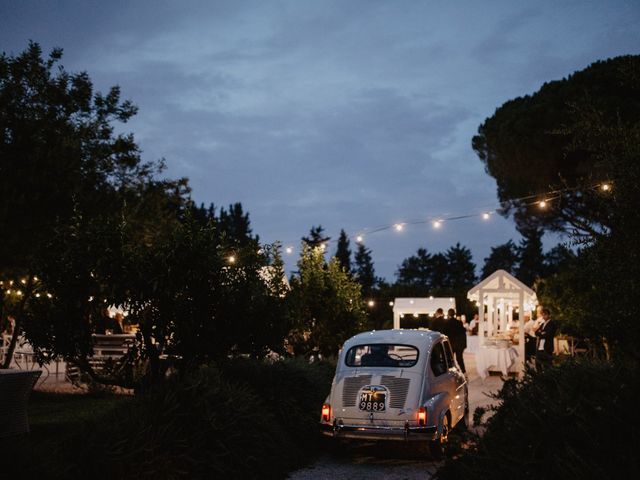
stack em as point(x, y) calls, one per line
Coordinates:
point(395, 336)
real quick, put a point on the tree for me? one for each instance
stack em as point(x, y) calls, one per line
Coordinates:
point(557, 259)
point(325, 301)
point(235, 223)
point(461, 271)
point(343, 252)
point(502, 257)
point(439, 274)
point(55, 127)
point(316, 237)
point(531, 258)
point(364, 271)
point(533, 144)
point(596, 294)
point(416, 270)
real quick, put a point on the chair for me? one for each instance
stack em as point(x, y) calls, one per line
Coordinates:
point(15, 389)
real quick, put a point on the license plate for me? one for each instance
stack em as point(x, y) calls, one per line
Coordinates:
point(373, 401)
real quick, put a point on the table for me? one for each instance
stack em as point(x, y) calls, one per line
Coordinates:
point(491, 358)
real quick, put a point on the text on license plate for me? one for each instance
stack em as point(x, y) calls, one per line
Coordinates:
point(373, 401)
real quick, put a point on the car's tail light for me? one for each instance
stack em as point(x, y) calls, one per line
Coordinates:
point(422, 416)
point(326, 412)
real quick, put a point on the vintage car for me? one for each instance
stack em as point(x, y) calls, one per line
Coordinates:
point(396, 385)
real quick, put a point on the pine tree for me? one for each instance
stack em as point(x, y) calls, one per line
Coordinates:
point(343, 252)
point(461, 271)
point(316, 237)
point(415, 270)
point(364, 270)
point(503, 257)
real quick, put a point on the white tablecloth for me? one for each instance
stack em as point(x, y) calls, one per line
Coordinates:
point(498, 359)
point(473, 343)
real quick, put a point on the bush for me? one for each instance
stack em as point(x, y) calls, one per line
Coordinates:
point(293, 390)
point(578, 419)
point(253, 419)
point(198, 427)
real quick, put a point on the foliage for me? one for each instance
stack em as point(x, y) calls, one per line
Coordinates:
point(54, 126)
point(316, 237)
point(343, 252)
point(416, 269)
point(451, 273)
point(532, 145)
point(364, 271)
point(530, 256)
point(294, 390)
point(110, 232)
point(502, 257)
point(598, 290)
point(253, 418)
point(574, 420)
point(325, 302)
point(193, 302)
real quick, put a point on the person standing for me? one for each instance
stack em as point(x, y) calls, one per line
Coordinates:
point(472, 327)
point(530, 338)
point(437, 324)
point(546, 334)
point(454, 329)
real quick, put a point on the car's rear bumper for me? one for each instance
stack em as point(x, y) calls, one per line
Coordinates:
point(366, 432)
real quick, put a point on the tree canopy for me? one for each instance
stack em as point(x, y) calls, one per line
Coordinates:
point(531, 145)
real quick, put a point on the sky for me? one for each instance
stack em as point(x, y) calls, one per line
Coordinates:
point(350, 114)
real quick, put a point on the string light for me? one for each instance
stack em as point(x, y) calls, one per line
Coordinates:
point(486, 215)
point(391, 304)
point(605, 187)
point(289, 250)
point(49, 295)
point(399, 227)
point(542, 204)
point(437, 223)
point(231, 259)
point(359, 239)
point(371, 303)
point(19, 293)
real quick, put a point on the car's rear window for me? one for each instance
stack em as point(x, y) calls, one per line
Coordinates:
point(382, 355)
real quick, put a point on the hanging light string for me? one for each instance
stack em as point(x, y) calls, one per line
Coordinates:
point(542, 201)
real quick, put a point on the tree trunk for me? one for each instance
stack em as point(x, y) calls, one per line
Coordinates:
point(17, 329)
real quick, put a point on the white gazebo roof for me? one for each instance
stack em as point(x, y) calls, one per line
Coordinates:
point(503, 284)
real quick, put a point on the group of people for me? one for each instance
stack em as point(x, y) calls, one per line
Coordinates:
point(539, 335)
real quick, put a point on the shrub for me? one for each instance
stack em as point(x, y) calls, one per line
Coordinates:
point(198, 427)
point(254, 419)
point(578, 419)
point(293, 390)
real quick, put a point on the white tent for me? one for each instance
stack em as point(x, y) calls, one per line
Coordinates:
point(497, 296)
point(417, 306)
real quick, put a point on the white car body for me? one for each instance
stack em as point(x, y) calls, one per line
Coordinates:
point(420, 399)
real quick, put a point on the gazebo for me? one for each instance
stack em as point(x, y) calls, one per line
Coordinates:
point(421, 305)
point(497, 296)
